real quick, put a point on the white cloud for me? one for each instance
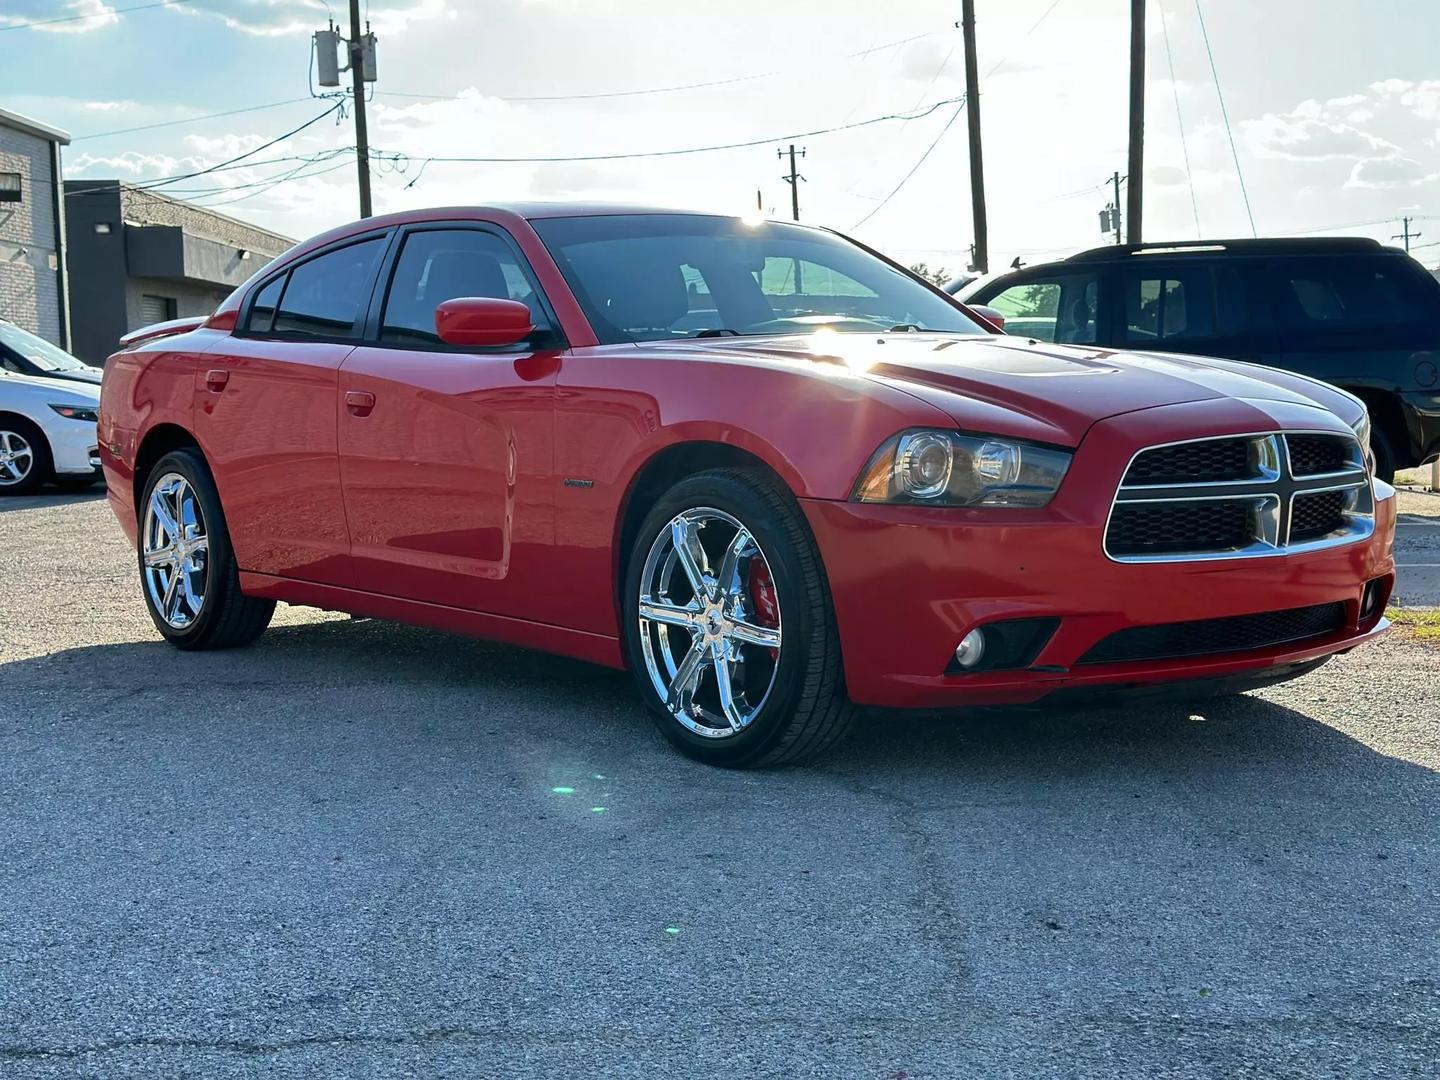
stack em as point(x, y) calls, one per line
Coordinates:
point(83, 15)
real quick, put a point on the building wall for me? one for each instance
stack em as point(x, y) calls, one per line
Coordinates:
point(107, 294)
point(29, 238)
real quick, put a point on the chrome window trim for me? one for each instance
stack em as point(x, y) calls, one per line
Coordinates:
point(1276, 472)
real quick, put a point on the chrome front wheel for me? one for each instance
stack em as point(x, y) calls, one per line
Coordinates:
point(710, 622)
point(175, 551)
point(17, 458)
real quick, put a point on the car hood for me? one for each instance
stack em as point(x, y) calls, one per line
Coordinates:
point(1048, 392)
point(58, 390)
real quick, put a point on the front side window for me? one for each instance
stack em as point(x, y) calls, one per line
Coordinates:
point(324, 296)
point(650, 277)
point(1051, 309)
point(436, 265)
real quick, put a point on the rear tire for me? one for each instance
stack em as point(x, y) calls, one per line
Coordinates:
point(188, 574)
point(23, 450)
point(762, 620)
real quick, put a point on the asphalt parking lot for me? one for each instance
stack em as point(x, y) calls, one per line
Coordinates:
point(363, 850)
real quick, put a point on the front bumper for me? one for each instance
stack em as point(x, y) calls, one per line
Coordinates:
point(73, 447)
point(908, 583)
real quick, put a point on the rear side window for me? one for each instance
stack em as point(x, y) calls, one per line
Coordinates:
point(262, 311)
point(436, 265)
point(326, 295)
point(1170, 305)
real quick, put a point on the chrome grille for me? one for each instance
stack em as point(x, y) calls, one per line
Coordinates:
point(1240, 496)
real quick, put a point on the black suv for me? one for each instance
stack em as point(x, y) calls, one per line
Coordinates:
point(1349, 311)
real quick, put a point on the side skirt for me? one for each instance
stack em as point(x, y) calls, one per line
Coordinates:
point(595, 648)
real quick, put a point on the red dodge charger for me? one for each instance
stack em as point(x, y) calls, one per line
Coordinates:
point(770, 471)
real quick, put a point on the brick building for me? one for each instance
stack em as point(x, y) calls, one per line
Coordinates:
point(138, 257)
point(33, 292)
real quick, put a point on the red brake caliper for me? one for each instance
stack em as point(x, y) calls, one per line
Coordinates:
point(762, 597)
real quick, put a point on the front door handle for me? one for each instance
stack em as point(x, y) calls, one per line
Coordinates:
point(359, 402)
point(216, 379)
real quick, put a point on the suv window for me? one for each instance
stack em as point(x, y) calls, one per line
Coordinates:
point(1341, 300)
point(1060, 309)
point(325, 296)
point(436, 265)
point(1170, 304)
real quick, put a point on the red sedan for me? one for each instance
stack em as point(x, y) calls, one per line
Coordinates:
point(768, 470)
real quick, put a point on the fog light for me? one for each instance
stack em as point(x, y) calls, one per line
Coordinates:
point(971, 649)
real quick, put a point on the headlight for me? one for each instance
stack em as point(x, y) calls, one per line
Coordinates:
point(943, 468)
point(1361, 428)
point(78, 412)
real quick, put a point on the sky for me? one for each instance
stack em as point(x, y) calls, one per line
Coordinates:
point(1333, 111)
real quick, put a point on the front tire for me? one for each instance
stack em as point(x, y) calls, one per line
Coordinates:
point(24, 457)
point(729, 624)
point(188, 574)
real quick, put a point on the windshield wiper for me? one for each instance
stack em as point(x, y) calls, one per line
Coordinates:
point(720, 331)
point(906, 328)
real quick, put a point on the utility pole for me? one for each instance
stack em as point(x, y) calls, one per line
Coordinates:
point(1116, 181)
point(362, 139)
point(793, 178)
point(1137, 122)
point(972, 115)
point(1405, 234)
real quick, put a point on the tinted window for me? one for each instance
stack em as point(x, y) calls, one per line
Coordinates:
point(325, 295)
point(1169, 304)
point(440, 264)
point(1381, 300)
point(262, 311)
point(645, 277)
point(1051, 309)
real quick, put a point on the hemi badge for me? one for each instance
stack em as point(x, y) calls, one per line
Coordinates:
point(571, 481)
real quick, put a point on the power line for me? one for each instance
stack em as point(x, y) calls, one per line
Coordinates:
point(1179, 118)
point(189, 119)
point(647, 91)
point(949, 123)
point(167, 180)
point(94, 14)
point(914, 168)
point(394, 155)
point(1225, 115)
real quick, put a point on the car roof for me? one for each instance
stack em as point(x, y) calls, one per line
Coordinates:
point(1309, 245)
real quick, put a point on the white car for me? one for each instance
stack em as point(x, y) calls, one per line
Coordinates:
point(47, 432)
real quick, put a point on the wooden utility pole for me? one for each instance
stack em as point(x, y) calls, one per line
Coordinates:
point(362, 139)
point(977, 163)
point(793, 178)
point(1136, 191)
point(1405, 234)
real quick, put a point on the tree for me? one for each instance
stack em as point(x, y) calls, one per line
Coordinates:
point(939, 276)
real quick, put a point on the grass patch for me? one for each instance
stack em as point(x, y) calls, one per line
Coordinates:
point(1423, 624)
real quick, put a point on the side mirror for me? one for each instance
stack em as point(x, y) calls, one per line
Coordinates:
point(987, 315)
point(483, 320)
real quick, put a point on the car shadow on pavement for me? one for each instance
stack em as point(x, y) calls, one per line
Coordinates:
point(392, 667)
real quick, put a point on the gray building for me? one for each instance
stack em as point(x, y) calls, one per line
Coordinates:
point(138, 257)
point(32, 228)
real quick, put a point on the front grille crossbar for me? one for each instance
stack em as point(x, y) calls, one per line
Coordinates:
point(1287, 492)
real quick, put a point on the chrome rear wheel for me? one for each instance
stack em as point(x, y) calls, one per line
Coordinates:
point(175, 551)
point(710, 622)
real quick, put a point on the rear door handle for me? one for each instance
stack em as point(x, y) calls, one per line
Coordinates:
point(216, 379)
point(359, 402)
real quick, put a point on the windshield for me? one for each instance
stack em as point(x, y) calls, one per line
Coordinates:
point(652, 277)
point(38, 351)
